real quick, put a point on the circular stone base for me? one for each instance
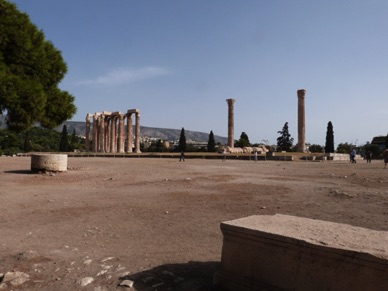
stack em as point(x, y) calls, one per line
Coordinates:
point(49, 162)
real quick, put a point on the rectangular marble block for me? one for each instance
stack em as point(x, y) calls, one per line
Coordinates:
point(281, 252)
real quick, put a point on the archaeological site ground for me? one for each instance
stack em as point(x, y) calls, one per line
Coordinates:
point(156, 221)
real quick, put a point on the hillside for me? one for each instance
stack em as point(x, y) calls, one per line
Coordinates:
point(152, 132)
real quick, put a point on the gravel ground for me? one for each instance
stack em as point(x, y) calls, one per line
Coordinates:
point(156, 221)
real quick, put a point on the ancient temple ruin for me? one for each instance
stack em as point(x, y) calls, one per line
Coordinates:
point(112, 132)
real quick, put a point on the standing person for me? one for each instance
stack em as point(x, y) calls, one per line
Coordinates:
point(385, 156)
point(353, 156)
point(224, 155)
point(255, 156)
point(368, 157)
point(182, 157)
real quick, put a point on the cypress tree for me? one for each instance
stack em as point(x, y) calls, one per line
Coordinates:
point(64, 143)
point(329, 146)
point(211, 144)
point(182, 141)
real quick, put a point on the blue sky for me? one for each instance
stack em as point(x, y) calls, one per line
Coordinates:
point(178, 61)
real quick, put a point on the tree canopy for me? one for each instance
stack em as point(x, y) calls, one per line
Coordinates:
point(31, 69)
point(211, 143)
point(243, 141)
point(285, 140)
point(329, 146)
point(182, 141)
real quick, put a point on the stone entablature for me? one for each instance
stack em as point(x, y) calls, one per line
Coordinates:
point(109, 134)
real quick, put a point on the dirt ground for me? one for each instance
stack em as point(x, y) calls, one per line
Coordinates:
point(156, 221)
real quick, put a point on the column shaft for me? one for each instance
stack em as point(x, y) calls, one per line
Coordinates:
point(301, 121)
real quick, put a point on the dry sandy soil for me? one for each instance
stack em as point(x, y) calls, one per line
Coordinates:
point(157, 221)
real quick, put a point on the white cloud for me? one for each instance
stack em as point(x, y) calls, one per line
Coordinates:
point(124, 76)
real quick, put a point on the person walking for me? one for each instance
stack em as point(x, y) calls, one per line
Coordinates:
point(182, 157)
point(353, 156)
point(224, 156)
point(368, 156)
point(385, 156)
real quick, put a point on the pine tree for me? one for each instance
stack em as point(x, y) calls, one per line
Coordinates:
point(64, 143)
point(182, 141)
point(285, 140)
point(243, 141)
point(329, 146)
point(31, 69)
point(211, 144)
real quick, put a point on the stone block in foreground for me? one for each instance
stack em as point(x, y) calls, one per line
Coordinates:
point(49, 162)
point(283, 252)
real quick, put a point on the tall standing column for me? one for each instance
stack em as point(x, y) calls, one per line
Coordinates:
point(95, 133)
point(137, 138)
point(107, 134)
point(113, 143)
point(121, 133)
point(87, 133)
point(129, 132)
point(230, 122)
point(101, 134)
point(301, 121)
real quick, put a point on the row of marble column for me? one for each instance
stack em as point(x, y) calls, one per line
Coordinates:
point(112, 132)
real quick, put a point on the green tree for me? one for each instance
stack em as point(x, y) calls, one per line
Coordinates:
point(64, 143)
point(386, 142)
point(284, 141)
point(211, 144)
point(345, 148)
point(329, 145)
point(243, 141)
point(182, 141)
point(316, 148)
point(31, 69)
point(374, 149)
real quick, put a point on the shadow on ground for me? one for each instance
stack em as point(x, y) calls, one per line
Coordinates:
point(192, 276)
point(20, 172)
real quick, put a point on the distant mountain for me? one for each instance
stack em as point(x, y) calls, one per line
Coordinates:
point(152, 132)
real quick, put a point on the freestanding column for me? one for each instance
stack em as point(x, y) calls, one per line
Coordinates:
point(231, 122)
point(137, 138)
point(129, 132)
point(87, 133)
point(301, 121)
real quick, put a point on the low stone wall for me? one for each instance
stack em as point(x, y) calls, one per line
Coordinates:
point(282, 252)
point(49, 162)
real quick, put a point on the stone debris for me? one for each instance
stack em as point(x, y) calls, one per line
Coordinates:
point(127, 283)
point(107, 259)
point(16, 278)
point(85, 281)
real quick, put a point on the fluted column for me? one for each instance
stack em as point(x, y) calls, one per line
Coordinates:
point(129, 132)
point(113, 144)
point(230, 122)
point(137, 137)
point(95, 133)
point(107, 134)
point(121, 133)
point(301, 121)
point(101, 134)
point(87, 133)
